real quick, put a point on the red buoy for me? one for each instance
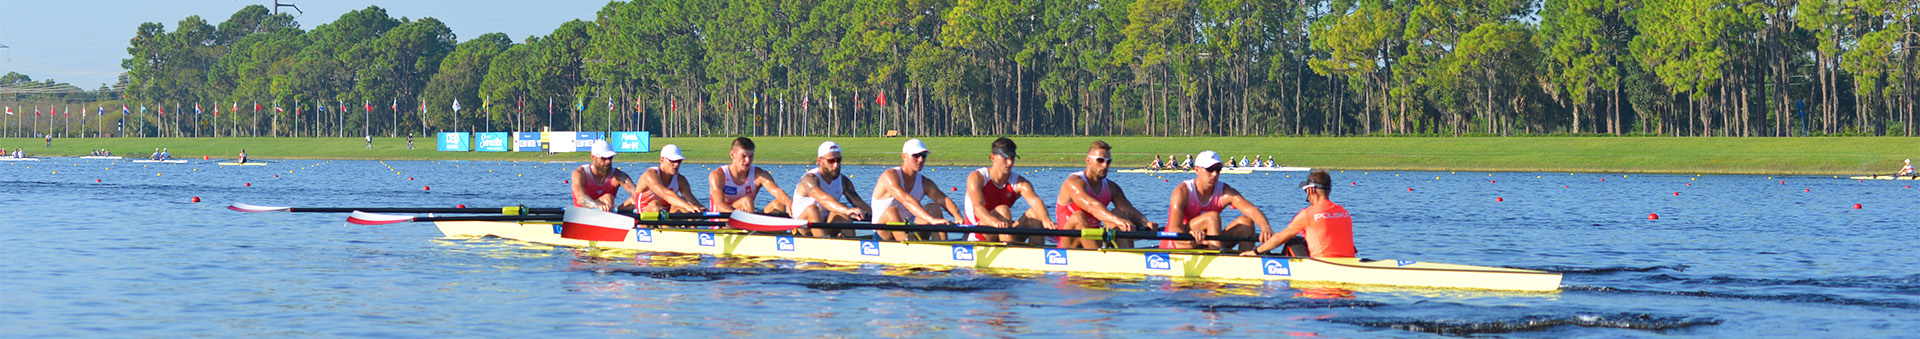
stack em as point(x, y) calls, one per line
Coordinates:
point(1689, 185)
point(426, 188)
point(1808, 190)
point(1855, 206)
point(1783, 182)
point(197, 199)
point(1354, 183)
point(460, 206)
point(248, 184)
point(96, 180)
point(203, 157)
point(1492, 182)
point(1653, 216)
point(1603, 179)
point(956, 189)
point(1499, 199)
point(409, 178)
point(276, 175)
point(1676, 194)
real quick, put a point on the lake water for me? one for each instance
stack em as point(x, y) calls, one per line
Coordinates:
point(1730, 256)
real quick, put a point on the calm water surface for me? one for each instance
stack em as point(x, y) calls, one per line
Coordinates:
point(1731, 256)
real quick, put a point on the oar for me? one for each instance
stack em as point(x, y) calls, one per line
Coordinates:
point(756, 222)
point(364, 218)
point(509, 210)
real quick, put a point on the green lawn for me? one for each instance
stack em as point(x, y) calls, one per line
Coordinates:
point(1837, 155)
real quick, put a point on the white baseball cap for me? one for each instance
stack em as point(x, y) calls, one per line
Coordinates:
point(827, 147)
point(913, 146)
point(1206, 159)
point(671, 152)
point(601, 149)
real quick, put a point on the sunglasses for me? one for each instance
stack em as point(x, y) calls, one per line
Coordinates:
point(1100, 159)
point(921, 154)
point(676, 161)
point(833, 161)
point(1214, 169)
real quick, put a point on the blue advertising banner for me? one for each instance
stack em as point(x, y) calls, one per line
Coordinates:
point(632, 142)
point(454, 142)
point(527, 142)
point(490, 142)
point(583, 141)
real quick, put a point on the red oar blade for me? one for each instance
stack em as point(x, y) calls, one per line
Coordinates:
point(762, 223)
point(239, 207)
point(595, 225)
point(364, 218)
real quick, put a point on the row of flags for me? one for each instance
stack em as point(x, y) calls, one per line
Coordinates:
point(672, 104)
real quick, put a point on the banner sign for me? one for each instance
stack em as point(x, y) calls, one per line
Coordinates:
point(558, 142)
point(528, 142)
point(490, 142)
point(454, 142)
point(632, 142)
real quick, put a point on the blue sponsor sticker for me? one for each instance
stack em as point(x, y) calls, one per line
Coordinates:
point(1276, 266)
point(556, 228)
point(730, 190)
point(642, 235)
point(783, 243)
point(963, 252)
point(1403, 262)
point(869, 248)
point(1056, 256)
point(1159, 261)
point(706, 239)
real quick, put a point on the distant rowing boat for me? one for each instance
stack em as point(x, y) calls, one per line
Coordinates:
point(1884, 177)
point(173, 161)
point(250, 163)
point(18, 159)
point(1276, 169)
point(1165, 171)
point(102, 157)
point(998, 256)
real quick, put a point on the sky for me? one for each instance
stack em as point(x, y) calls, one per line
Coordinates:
point(82, 41)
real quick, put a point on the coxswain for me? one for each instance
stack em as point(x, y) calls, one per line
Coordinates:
point(1325, 226)
point(1196, 204)
point(825, 195)
point(734, 186)
point(1084, 197)
point(897, 195)
point(662, 188)
point(1905, 170)
point(595, 184)
point(991, 192)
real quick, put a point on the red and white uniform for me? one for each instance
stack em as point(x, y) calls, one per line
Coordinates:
point(602, 184)
point(646, 197)
point(1104, 195)
point(731, 191)
point(993, 196)
point(1196, 205)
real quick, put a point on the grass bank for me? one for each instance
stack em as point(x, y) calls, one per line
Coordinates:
point(1835, 155)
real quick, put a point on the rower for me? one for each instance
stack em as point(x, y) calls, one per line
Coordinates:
point(1325, 226)
point(1084, 197)
point(1908, 169)
point(1156, 163)
point(826, 195)
point(243, 155)
point(1188, 164)
point(991, 192)
point(1196, 204)
point(898, 194)
point(734, 186)
point(594, 185)
point(165, 155)
point(156, 154)
point(1269, 161)
point(662, 188)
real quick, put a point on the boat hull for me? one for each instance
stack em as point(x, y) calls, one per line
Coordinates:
point(1126, 263)
point(1883, 177)
point(1171, 171)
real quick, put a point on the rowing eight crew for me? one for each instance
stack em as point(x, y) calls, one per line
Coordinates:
point(901, 194)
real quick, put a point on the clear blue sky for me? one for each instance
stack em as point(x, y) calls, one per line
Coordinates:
point(82, 41)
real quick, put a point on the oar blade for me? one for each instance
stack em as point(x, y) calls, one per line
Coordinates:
point(239, 207)
point(595, 225)
point(762, 223)
point(364, 218)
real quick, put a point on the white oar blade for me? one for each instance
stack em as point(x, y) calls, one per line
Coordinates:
point(239, 207)
point(594, 225)
point(762, 223)
point(364, 218)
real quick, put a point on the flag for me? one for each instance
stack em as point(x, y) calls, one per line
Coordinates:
point(579, 104)
point(729, 104)
point(36, 111)
point(881, 100)
point(803, 100)
point(369, 106)
point(396, 105)
point(276, 107)
point(216, 110)
point(196, 108)
point(456, 105)
point(124, 110)
point(159, 110)
point(486, 103)
point(256, 106)
point(236, 107)
point(9, 110)
point(673, 104)
point(99, 110)
point(636, 104)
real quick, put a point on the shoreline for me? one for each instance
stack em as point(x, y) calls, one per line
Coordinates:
point(1690, 155)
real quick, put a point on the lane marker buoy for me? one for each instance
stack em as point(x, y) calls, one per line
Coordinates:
point(197, 199)
point(1653, 216)
point(426, 188)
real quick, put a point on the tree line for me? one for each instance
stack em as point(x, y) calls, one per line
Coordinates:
point(1066, 67)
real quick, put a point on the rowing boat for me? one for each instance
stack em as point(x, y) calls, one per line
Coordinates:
point(1885, 177)
point(253, 163)
point(173, 161)
point(102, 157)
point(1169, 171)
point(1277, 169)
point(18, 159)
point(999, 256)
